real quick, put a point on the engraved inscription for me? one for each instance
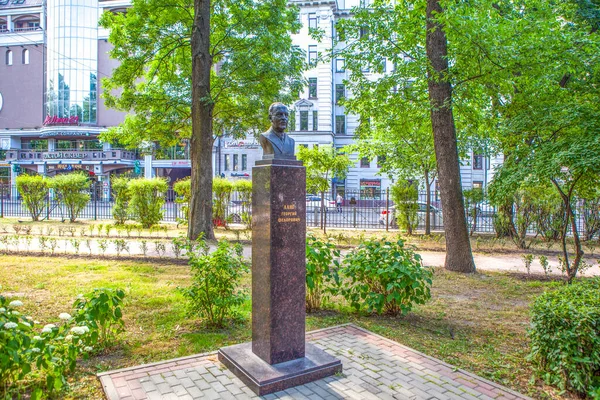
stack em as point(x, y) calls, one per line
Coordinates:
point(289, 215)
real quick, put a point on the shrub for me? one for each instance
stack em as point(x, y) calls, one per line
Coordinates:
point(565, 336)
point(147, 199)
point(73, 192)
point(405, 196)
point(244, 189)
point(121, 196)
point(33, 190)
point(386, 277)
point(221, 195)
point(320, 257)
point(473, 199)
point(183, 188)
point(39, 356)
point(101, 310)
point(215, 292)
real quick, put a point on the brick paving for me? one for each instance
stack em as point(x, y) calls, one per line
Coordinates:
point(374, 368)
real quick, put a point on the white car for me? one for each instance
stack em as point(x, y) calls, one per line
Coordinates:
point(314, 201)
point(436, 215)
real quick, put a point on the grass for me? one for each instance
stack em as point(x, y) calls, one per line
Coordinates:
point(476, 322)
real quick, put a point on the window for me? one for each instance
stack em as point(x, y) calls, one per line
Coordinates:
point(384, 65)
point(365, 163)
point(304, 145)
point(292, 121)
point(312, 55)
point(340, 65)
point(226, 168)
point(33, 25)
point(25, 56)
point(312, 21)
point(303, 120)
point(235, 162)
point(364, 32)
point(315, 121)
point(477, 184)
point(312, 88)
point(477, 161)
point(340, 93)
point(365, 68)
point(9, 57)
point(340, 124)
point(244, 162)
point(380, 161)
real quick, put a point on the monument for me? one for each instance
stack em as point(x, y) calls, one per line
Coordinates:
point(278, 357)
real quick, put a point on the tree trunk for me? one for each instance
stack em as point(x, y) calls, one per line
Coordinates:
point(200, 212)
point(427, 203)
point(458, 248)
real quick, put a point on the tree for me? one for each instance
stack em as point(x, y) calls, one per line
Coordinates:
point(34, 191)
point(184, 74)
point(412, 35)
point(73, 191)
point(322, 164)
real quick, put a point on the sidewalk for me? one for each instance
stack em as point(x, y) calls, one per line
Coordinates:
point(374, 368)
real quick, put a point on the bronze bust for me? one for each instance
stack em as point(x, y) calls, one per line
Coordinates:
point(275, 142)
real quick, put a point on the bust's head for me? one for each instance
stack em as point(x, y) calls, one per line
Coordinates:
point(278, 115)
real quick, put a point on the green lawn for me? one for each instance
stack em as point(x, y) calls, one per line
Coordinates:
point(476, 322)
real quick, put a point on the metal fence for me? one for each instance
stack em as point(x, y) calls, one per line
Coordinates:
point(360, 210)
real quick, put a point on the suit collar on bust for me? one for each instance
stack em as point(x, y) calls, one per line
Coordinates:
point(276, 141)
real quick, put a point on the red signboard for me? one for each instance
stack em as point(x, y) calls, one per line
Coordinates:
point(54, 120)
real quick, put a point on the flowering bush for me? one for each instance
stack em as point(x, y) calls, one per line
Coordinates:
point(31, 354)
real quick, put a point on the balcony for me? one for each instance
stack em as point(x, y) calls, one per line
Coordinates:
point(70, 155)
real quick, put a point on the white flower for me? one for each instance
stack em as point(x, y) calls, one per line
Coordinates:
point(15, 303)
point(10, 325)
point(80, 296)
point(35, 350)
point(47, 330)
point(36, 322)
point(2, 309)
point(37, 338)
point(69, 338)
point(50, 326)
point(29, 318)
point(80, 330)
point(88, 348)
point(15, 313)
point(26, 324)
point(64, 316)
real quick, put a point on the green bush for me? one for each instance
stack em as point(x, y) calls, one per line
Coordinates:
point(222, 189)
point(473, 199)
point(320, 258)
point(121, 197)
point(405, 196)
point(33, 190)
point(244, 190)
point(386, 277)
point(72, 191)
point(216, 276)
point(183, 188)
point(101, 310)
point(147, 199)
point(565, 337)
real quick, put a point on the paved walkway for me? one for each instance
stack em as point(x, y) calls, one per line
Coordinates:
point(374, 368)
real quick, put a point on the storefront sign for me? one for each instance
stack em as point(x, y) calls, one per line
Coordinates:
point(67, 155)
point(54, 120)
point(370, 189)
point(241, 144)
point(55, 133)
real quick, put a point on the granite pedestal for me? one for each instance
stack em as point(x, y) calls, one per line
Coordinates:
point(278, 358)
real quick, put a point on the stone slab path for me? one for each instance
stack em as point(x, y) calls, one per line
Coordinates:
point(374, 368)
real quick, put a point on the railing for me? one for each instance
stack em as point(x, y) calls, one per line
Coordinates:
point(356, 210)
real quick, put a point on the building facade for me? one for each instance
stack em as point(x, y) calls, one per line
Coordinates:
point(53, 56)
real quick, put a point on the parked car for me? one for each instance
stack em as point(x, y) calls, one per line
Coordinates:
point(436, 215)
point(314, 201)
